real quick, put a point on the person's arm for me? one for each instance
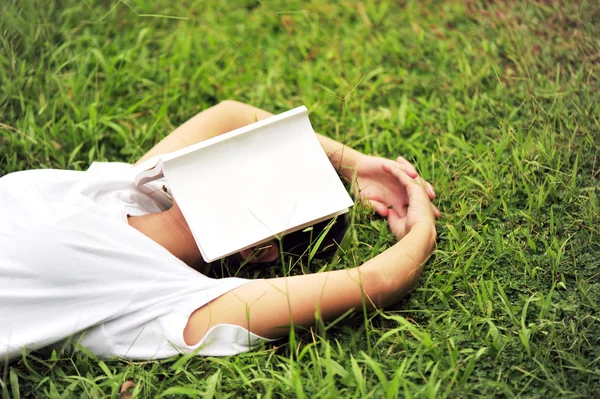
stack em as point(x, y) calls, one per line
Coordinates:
point(370, 183)
point(271, 307)
point(230, 115)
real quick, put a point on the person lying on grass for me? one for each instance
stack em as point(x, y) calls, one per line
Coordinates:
point(87, 258)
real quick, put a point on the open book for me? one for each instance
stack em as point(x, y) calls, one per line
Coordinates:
point(247, 186)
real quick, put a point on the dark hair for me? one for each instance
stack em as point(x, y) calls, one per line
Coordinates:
point(298, 244)
point(323, 238)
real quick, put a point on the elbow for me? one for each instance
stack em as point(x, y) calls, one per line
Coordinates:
point(228, 104)
point(231, 106)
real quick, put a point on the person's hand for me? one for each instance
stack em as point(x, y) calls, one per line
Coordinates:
point(384, 191)
point(419, 208)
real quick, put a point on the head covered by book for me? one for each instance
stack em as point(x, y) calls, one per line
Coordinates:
point(321, 240)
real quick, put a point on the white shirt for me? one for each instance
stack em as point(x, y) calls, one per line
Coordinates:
point(72, 270)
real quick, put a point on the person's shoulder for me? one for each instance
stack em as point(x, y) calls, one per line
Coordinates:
point(111, 169)
point(29, 176)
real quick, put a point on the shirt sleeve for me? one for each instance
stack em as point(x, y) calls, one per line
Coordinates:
point(151, 197)
point(221, 339)
point(73, 272)
point(156, 331)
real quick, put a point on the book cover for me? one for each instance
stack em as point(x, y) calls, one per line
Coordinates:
point(247, 186)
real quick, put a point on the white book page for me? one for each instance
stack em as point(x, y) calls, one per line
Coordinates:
point(151, 169)
point(255, 185)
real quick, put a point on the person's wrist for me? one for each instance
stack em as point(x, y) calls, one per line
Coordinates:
point(357, 155)
point(425, 229)
point(351, 162)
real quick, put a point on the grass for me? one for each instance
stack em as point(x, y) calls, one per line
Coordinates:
point(496, 102)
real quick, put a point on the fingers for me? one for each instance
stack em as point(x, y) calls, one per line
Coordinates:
point(397, 224)
point(416, 189)
point(430, 190)
point(436, 211)
point(412, 189)
point(407, 165)
point(426, 185)
point(381, 209)
point(412, 172)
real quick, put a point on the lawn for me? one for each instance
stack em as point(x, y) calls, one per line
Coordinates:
point(497, 103)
